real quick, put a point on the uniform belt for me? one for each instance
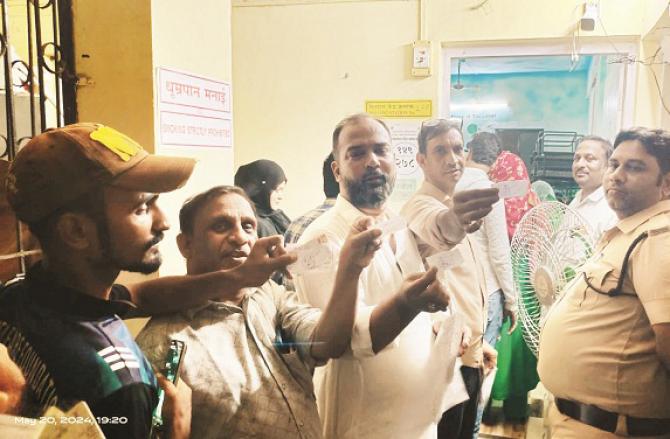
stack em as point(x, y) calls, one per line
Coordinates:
point(604, 420)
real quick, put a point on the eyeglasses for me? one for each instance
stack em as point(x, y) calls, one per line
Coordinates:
point(452, 121)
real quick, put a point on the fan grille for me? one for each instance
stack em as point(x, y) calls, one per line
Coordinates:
point(551, 241)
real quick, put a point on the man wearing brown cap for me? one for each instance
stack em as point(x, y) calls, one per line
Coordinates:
point(88, 193)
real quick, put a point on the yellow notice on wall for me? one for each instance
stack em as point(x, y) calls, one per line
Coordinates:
point(400, 109)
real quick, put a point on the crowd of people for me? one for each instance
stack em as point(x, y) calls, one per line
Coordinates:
point(362, 347)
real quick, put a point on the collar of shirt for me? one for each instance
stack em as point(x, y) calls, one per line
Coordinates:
point(430, 189)
point(593, 198)
point(47, 292)
point(215, 305)
point(350, 212)
point(631, 223)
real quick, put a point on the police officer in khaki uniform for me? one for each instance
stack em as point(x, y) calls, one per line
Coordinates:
point(605, 347)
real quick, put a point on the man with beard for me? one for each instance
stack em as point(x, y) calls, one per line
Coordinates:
point(442, 160)
point(391, 394)
point(605, 345)
point(588, 167)
point(88, 193)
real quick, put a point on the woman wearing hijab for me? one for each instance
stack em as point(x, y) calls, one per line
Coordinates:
point(517, 366)
point(264, 182)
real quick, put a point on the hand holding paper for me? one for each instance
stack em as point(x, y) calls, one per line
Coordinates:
point(314, 255)
point(512, 188)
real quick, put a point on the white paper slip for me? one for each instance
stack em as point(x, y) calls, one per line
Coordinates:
point(445, 259)
point(390, 226)
point(487, 386)
point(512, 188)
point(314, 255)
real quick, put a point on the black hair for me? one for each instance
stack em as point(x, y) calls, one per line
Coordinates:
point(350, 120)
point(485, 148)
point(331, 188)
point(258, 179)
point(655, 141)
point(91, 204)
point(433, 128)
point(604, 143)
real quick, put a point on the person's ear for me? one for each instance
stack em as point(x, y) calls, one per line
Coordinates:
point(421, 159)
point(77, 231)
point(665, 186)
point(468, 156)
point(335, 167)
point(184, 242)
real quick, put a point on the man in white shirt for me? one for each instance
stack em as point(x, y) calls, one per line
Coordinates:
point(395, 393)
point(588, 168)
point(496, 260)
point(248, 381)
point(441, 159)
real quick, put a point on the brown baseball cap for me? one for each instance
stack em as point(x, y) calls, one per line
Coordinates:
point(62, 164)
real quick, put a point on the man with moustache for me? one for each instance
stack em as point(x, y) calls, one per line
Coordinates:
point(89, 194)
point(252, 351)
point(588, 167)
point(372, 397)
point(442, 160)
point(605, 347)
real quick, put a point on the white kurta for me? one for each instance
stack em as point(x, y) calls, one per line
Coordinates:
point(395, 393)
point(595, 210)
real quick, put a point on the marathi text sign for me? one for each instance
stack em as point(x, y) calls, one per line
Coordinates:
point(400, 109)
point(194, 111)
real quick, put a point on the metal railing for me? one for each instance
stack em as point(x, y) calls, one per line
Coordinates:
point(39, 81)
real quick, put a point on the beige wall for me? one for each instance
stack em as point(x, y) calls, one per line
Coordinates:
point(126, 40)
point(300, 69)
point(195, 40)
point(301, 66)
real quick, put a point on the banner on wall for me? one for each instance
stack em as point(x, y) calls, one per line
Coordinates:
point(400, 109)
point(193, 110)
point(405, 147)
point(403, 117)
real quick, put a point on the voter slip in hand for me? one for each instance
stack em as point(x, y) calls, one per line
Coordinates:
point(314, 255)
point(391, 226)
point(445, 259)
point(512, 188)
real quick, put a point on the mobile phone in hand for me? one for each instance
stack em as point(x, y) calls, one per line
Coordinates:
point(173, 362)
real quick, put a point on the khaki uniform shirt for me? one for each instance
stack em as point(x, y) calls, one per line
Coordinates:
point(466, 281)
point(601, 350)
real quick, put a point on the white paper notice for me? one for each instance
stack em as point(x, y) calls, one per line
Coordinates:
point(446, 259)
point(512, 188)
point(487, 386)
point(448, 344)
point(391, 226)
point(314, 255)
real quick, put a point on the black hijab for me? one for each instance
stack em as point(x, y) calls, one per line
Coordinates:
point(259, 179)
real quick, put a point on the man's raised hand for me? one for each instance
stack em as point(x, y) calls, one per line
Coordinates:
point(360, 245)
point(267, 256)
point(424, 292)
point(471, 206)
